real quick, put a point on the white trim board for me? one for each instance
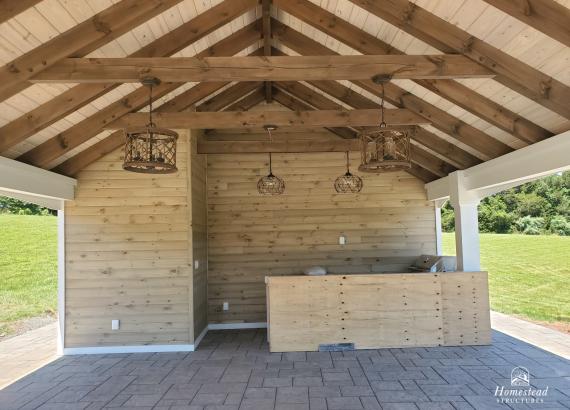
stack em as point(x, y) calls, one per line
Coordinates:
point(128, 349)
point(61, 279)
point(230, 326)
point(200, 337)
point(162, 348)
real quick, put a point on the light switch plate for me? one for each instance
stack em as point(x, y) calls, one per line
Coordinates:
point(196, 264)
point(115, 324)
point(342, 240)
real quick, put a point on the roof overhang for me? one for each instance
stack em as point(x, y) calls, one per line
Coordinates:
point(36, 185)
point(523, 165)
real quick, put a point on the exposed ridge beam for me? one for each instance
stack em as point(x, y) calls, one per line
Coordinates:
point(452, 126)
point(11, 8)
point(293, 68)
point(449, 38)
point(266, 27)
point(78, 96)
point(546, 16)
point(453, 91)
point(45, 153)
point(79, 41)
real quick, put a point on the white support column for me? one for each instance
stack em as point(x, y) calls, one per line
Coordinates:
point(438, 233)
point(61, 279)
point(465, 204)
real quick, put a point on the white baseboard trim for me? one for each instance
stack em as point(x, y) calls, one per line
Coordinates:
point(68, 351)
point(228, 326)
point(200, 337)
point(128, 349)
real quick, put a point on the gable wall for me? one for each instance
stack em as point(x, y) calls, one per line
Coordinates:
point(250, 236)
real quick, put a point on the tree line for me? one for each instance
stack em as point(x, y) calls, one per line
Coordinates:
point(534, 208)
point(14, 206)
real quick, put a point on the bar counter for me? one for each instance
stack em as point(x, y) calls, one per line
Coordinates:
point(305, 313)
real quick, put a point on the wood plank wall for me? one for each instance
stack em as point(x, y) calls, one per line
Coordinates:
point(199, 226)
point(129, 256)
point(250, 236)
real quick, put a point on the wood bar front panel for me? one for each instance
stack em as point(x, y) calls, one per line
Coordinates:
point(375, 311)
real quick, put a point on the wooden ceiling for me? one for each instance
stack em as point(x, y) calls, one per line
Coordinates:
point(482, 77)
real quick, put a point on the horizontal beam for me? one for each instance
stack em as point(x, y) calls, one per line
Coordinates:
point(25, 182)
point(276, 68)
point(289, 146)
point(240, 119)
point(526, 164)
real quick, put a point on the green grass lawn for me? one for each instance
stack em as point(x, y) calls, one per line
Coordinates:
point(28, 267)
point(529, 276)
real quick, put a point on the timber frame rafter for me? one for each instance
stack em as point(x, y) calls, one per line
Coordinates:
point(270, 75)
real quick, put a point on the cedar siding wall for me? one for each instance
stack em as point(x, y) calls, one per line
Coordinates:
point(131, 239)
point(128, 256)
point(250, 236)
point(199, 225)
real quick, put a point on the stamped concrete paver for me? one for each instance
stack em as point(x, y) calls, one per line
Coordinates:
point(234, 370)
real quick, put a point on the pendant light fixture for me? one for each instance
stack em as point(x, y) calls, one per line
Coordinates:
point(150, 150)
point(270, 184)
point(385, 149)
point(348, 183)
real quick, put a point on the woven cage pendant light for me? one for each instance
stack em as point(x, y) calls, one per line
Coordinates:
point(385, 149)
point(348, 183)
point(150, 150)
point(270, 184)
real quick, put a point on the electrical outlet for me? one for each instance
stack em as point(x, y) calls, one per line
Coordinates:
point(342, 240)
point(226, 306)
point(115, 324)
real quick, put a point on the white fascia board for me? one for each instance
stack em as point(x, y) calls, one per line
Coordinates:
point(438, 189)
point(515, 168)
point(24, 179)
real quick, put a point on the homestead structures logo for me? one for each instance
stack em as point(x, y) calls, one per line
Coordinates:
point(520, 377)
point(520, 391)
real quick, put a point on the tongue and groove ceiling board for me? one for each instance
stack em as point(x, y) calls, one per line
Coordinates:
point(61, 126)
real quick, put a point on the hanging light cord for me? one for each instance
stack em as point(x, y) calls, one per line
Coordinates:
point(270, 141)
point(150, 107)
point(382, 122)
point(347, 164)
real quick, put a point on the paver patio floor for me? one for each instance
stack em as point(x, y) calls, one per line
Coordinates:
point(234, 370)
